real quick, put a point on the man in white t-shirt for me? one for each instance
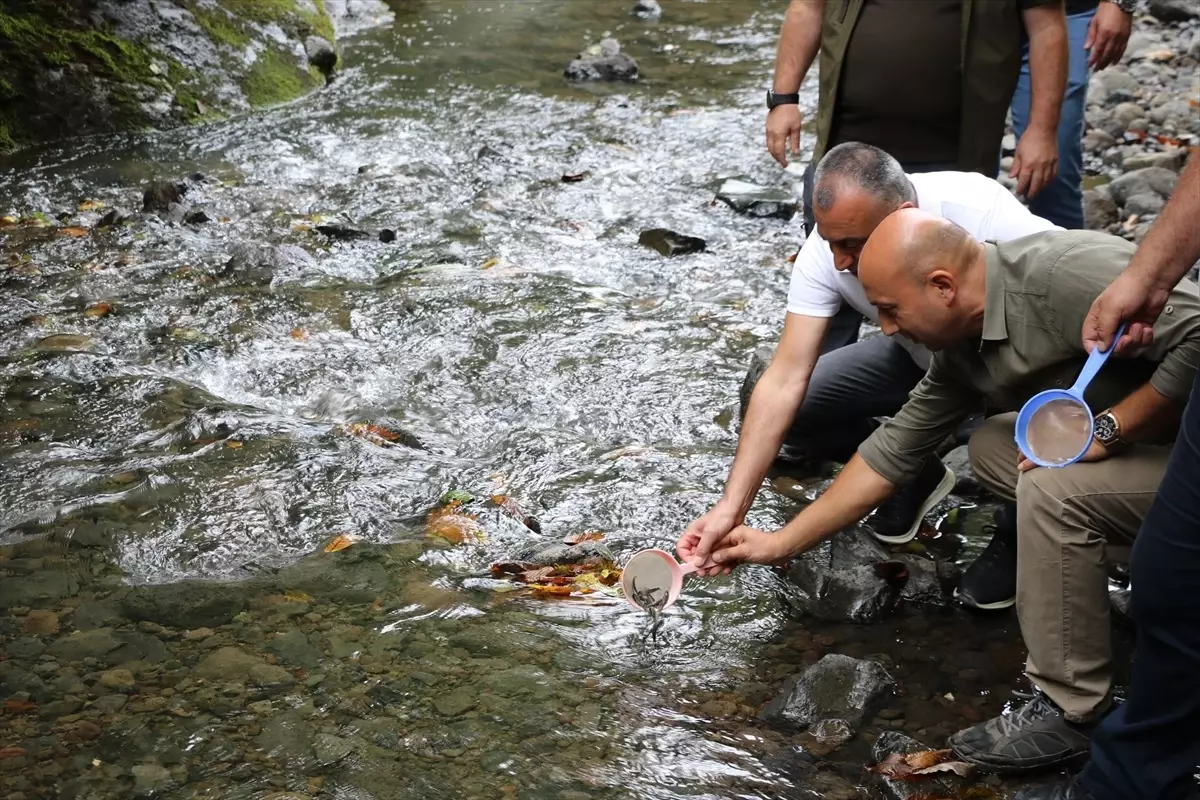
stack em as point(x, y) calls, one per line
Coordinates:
point(820, 398)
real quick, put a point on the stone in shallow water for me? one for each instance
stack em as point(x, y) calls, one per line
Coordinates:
point(547, 554)
point(150, 779)
point(670, 243)
point(66, 343)
point(40, 623)
point(227, 664)
point(161, 195)
point(188, 604)
point(331, 749)
point(758, 201)
point(850, 578)
point(294, 648)
point(895, 742)
point(647, 9)
point(836, 687)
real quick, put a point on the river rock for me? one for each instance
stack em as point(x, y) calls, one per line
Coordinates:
point(927, 580)
point(294, 648)
point(602, 62)
point(1099, 210)
point(110, 703)
point(96, 644)
point(1152, 180)
point(188, 604)
point(1112, 85)
point(227, 665)
point(150, 779)
point(958, 461)
point(647, 9)
point(119, 680)
point(890, 742)
point(848, 578)
point(288, 738)
point(758, 201)
point(15, 679)
point(1144, 204)
point(1172, 158)
point(270, 675)
point(357, 574)
point(1175, 10)
point(670, 243)
point(330, 749)
point(40, 623)
point(159, 196)
point(836, 687)
point(321, 55)
point(547, 554)
point(1097, 141)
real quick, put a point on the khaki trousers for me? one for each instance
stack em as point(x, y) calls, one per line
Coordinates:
point(1066, 520)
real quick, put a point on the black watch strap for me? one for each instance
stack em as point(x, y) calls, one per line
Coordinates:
point(776, 99)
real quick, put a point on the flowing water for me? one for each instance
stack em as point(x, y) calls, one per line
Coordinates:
point(195, 428)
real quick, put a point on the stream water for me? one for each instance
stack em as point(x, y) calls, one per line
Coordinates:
point(518, 331)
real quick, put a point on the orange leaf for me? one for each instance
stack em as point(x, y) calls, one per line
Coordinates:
point(14, 706)
point(550, 590)
point(91, 205)
point(586, 536)
point(340, 542)
point(75, 232)
point(372, 433)
point(299, 334)
point(97, 310)
point(234, 445)
point(452, 525)
point(11, 752)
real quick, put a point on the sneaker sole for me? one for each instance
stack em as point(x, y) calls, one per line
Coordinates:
point(970, 602)
point(944, 487)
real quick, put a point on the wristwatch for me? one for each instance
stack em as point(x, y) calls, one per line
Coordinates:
point(1128, 6)
point(1108, 430)
point(776, 99)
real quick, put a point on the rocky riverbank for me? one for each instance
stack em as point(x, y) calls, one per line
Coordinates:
point(72, 67)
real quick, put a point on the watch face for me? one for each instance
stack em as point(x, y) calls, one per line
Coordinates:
point(1106, 429)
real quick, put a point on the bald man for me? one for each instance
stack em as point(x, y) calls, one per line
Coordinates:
point(1004, 322)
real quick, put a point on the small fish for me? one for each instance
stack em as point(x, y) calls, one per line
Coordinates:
point(645, 598)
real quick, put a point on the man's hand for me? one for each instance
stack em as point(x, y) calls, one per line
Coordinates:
point(701, 537)
point(783, 128)
point(750, 545)
point(1095, 452)
point(1130, 299)
point(1107, 35)
point(1036, 161)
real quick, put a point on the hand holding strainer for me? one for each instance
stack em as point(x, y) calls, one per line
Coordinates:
point(1055, 427)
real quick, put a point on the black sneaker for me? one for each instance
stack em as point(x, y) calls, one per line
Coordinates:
point(1062, 790)
point(899, 518)
point(1035, 736)
point(990, 583)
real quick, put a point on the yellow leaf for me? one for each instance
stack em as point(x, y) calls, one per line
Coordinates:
point(491, 262)
point(586, 536)
point(234, 445)
point(97, 310)
point(74, 232)
point(91, 205)
point(339, 542)
point(297, 596)
point(452, 525)
point(8, 221)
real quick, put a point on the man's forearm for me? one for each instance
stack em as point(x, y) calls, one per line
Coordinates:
point(1173, 244)
point(799, 41)
point(769, 415)
point(855, 493)
point(1146, 413)
point(1046, 27)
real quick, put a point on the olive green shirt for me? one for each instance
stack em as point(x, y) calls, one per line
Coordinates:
point(990, 44)
point(1039, 290)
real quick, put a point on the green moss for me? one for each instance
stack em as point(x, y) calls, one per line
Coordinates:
point(286, 13)
point(276, 78)
point(221, 28)
point(7, 143)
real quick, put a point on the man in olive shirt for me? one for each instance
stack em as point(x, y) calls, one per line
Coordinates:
point(1003, 321)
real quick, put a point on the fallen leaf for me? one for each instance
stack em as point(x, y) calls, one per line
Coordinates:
point(91, 205)
point(75, 232)
point(586, 536)
point(299, 334)
point(491, 262)
point(451, 524)
point(11, 752)
point(550, 590)
point(234, 445)
point(97, 310)
point(515, 511)
point(376, 434)
point(1159, 55)
point(339, 542)
point(15, 706)
point(297, 596)
point(8, 221)
point(914, 766)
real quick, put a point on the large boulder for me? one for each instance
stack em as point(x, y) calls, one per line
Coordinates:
point(1152, 180)
point(849, 578)
point(188, 604)
point(836, 687)
point(1175, 10)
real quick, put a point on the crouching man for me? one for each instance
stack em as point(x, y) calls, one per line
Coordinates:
point(1004, 321)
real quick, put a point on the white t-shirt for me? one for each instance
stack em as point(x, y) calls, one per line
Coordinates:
point(980, 205)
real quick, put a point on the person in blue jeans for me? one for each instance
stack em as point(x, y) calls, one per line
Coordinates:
point(1149, 747)
point(1097, 33)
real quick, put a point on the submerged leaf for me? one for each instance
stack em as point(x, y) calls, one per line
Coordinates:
point(376, 434)
point(74, 232)
point(339, 542)
point(97, 310)
point(451, 524)
point(91, 205)
point(297, 596)
point(914, 766)
point(586, 536)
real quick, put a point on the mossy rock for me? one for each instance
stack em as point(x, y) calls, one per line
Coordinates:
point(85, 66)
